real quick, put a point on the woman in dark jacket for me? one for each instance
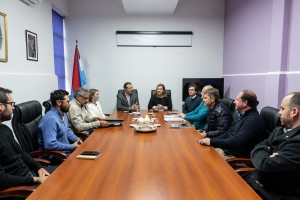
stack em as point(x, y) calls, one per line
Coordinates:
point(160, 100)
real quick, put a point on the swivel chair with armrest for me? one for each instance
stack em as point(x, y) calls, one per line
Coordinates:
point(133, 91)
point(168, 92)
point(25, 122)
point(17, 191)
point(272, 120)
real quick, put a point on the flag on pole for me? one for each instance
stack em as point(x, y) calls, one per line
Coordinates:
point(78, 78)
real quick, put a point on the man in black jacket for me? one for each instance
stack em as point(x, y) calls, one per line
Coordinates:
point(277, 159)
point(219, 118)
point(246, 131)
point(15, 164)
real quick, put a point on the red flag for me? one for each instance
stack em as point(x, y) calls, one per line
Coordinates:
point(78, 78)
point(76, 75)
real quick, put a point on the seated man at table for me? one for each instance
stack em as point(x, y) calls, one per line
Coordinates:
point(246, 131)
point(54, 133)
point(277, 159)
point(199, 115)
point(127, 100)
point(192, 101)
point(219, 117)
point(16, 166)
point(79, 118)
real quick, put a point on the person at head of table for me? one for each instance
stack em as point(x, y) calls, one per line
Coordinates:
point(53, 130)
point(192, 101)
point(277, 159)
point(198, 116)
point(245, 132)
point(94, 106)
point(16, 166)
point(160, 100)
point(127, 100)
point(79, 118)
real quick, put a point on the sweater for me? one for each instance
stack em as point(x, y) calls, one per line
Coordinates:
point(242, 136)
point(198, 116)
point(15, 164)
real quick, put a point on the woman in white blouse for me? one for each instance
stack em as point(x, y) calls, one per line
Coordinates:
point(94, 106)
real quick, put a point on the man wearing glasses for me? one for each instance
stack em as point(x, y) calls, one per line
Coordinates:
point(54, 133)
point(15, 164)
point(79, 118)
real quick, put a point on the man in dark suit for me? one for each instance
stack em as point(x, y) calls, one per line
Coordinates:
point(277, 159)
point(127, 100)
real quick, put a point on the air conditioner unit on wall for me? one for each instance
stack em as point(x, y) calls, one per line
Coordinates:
point(31, 2)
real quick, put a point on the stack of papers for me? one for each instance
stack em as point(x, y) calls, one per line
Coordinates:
point(173, 118)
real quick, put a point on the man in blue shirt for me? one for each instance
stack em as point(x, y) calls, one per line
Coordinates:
point(54, 133)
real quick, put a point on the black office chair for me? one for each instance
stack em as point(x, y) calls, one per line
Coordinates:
point(272, 120)
point(25, 122)
point(133, 91)
point(168, 92)
point(229, 103)
point(47, 105)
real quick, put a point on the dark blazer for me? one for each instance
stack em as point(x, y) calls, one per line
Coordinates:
point(122, 103)
point(277, 177)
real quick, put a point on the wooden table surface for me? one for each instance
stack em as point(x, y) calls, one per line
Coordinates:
point(166, 164)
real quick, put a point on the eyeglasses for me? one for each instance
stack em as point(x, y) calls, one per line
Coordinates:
point(86, 98)
point(10, 103)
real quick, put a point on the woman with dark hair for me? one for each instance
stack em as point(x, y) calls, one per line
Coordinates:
point(160, 100)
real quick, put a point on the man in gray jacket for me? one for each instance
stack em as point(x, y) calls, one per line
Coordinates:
point(127, 100)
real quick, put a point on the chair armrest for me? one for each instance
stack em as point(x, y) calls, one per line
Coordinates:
point(232, 161)
point(21, 191)
point(244, 170)
point(43, 161)
point(58, 154)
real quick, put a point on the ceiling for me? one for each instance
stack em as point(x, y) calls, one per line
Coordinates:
point(149, 6)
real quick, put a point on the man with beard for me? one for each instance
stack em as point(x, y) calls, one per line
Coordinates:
point(16, 166)
point(277, 159)
point(54, 133)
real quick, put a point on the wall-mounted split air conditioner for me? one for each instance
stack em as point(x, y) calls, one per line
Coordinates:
point(31, 2)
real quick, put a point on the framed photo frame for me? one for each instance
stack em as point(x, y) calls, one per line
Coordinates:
point(31, 45)
point(3, 38)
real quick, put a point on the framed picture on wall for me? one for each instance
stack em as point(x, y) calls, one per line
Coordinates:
point(31, 45)
point(3, 38)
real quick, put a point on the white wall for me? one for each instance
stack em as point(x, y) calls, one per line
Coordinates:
point(94, 23)
point(29, 80)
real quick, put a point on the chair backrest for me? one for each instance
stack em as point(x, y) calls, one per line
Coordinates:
point(168, 92)
point(271, 118)
point(25, 122)
point(47, 105)
point(229, 103)
point(133, 91)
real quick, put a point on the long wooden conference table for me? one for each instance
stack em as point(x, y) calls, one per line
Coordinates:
point(166, 164)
